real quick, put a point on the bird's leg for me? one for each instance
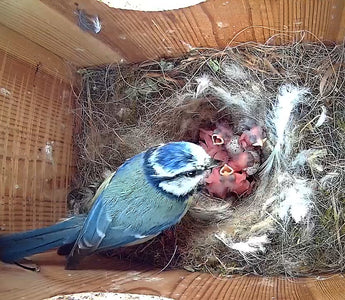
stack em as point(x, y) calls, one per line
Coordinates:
point(35, 268)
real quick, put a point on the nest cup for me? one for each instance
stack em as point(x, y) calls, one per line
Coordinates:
point(125, 109)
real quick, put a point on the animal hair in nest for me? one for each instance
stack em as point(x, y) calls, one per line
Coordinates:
point(293, 221)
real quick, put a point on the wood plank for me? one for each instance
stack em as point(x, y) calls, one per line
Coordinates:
point(19, 46)
point(35, 113)
point(136, 36)
point(100, 274)
point(341, 31)
point(216, 23)
point(53, 31)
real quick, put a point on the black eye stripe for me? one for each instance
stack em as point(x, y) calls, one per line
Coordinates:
point(184, 174)
point(192, 173)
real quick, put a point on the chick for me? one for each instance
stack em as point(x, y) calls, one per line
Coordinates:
point(216, 151)
point(255, 137)
point(237, 183)
point(242, 161)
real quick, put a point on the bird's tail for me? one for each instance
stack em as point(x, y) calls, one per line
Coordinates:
point(13, 247)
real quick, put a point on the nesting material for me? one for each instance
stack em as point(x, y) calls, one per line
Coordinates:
point(292, 221)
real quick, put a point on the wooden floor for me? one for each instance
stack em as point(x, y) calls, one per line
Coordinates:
point(111, 275)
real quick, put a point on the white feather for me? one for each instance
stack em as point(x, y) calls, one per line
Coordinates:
point(234, 71)
point(288, 97)
point(302, 157)
point(240, 100)
point(322, 117)
point(252, 245)
point(314, 158)
point(280, 120)
point(204, 83)
point(295, 199)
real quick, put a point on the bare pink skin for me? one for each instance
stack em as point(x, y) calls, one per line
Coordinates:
point(216, 151)
point(255, 133)
point(237, 183)
point(223, 131)
point(220, 186)
point(241, 161)
point(236, 151)
point(214, 184)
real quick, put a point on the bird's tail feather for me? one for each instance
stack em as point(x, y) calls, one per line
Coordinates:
point(13, 247)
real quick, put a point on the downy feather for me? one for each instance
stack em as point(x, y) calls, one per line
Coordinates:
point(279, 123)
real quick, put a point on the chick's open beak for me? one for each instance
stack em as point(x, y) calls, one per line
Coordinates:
point(217, 139)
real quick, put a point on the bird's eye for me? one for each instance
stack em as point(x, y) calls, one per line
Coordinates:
point(190, 173)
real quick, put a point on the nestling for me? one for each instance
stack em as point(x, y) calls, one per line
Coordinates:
point(240, 154)
point(149, 193)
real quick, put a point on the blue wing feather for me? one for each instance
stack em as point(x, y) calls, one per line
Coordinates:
point(122, 214)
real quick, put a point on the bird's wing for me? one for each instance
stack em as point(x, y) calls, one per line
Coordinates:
point(127, 209)
point(94, 227)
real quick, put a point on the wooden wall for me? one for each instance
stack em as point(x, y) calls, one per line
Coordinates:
point(41, 46)
point(136, 36)
point(36, 125)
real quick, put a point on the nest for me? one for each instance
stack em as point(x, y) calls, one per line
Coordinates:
point(125, 109)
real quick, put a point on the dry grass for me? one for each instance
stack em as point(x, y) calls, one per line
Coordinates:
point(126, 109)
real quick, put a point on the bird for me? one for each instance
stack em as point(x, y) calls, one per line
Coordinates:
point(241, 161)
point(216, 151)
point(221, 183)
point(214, 184)
point(251, 170)
point(147, 194)
point(254, 137)
point(237, 183)
point(222, 134)
point(233, 146)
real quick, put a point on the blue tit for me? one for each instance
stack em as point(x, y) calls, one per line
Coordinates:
point(149, 193)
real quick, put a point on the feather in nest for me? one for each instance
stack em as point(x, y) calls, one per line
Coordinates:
point(279, 126)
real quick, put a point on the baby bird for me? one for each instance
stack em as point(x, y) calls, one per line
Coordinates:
point(251, 170)
point(254, 137)
point(241, 161)
point(149, 193)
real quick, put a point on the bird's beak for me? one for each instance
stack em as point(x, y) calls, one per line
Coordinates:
point(213, 163)
point(260, 142)
point(217, 139)
point(226, 170)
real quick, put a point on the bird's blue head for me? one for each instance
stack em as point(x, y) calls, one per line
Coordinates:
point(177, 168)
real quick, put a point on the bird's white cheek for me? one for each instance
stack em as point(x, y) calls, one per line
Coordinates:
point(181, 186)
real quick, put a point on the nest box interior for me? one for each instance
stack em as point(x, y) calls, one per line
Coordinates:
point(44, 55)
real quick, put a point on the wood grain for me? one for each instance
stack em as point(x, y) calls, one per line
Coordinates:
point(138, 36)
point(19, 46)
point(111, 275)
point(135, 36)
point(35, 113)
point(55, 32)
